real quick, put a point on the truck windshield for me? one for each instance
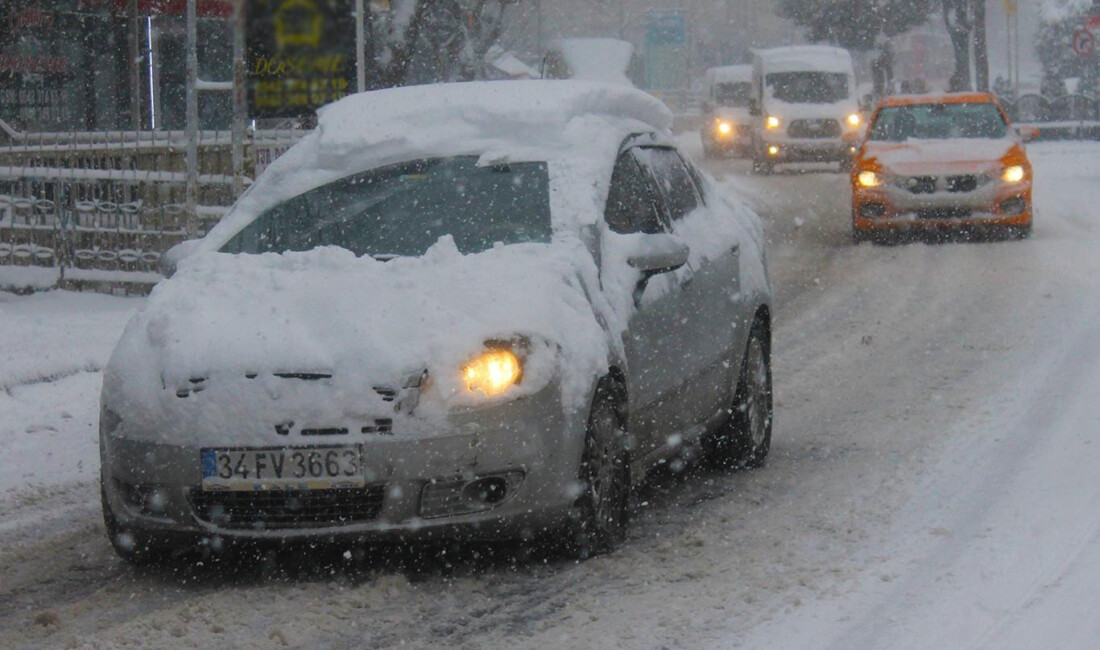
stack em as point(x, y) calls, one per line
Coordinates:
point(401, 210)
point(808, 87)
point(733, 94)
point(938, 122)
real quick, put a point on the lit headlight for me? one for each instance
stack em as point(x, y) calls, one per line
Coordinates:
point(492, 372)
point(869, 179)
point(854, 119)
point(772, 123)
point(1013, 174)
point(725, 128)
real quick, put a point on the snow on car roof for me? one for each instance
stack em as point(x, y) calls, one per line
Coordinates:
point(821, 58)
point(729, 74)
point(597, 59)
point(574, 126)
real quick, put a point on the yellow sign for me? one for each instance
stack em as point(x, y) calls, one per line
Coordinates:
point(1010, 6)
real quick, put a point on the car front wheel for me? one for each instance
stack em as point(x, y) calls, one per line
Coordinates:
point(601, 511)
point(745, 439)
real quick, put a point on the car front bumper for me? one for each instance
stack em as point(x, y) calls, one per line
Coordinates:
point(889, 207)
point(418, 486)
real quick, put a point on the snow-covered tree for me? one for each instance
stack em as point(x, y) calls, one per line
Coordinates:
point(417, 41)
point(857, 25)
point(1058, 19)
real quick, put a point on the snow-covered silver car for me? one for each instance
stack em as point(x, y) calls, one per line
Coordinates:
point(482, 309)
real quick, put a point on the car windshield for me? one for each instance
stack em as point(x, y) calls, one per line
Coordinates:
point(733, 94)
point(808, 87)
point(938, 122)
point(401, 210)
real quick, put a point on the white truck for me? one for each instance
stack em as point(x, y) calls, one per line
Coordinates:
point(804, 106)
point(727, 125)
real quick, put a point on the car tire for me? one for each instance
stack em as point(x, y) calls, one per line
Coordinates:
point(132, 543)
point(858, 236)
point(601, 513)
point(745, 439)
point(1020, 232)
point(762, 167)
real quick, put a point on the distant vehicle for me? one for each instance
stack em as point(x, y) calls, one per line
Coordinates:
point(805, 106)
point(727, 125)
point(934, 163)
point(479, 310)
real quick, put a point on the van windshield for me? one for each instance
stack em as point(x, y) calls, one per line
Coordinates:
point(808, 87)
point(733, 94)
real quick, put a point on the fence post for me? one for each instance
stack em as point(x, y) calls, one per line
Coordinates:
point(192, 126)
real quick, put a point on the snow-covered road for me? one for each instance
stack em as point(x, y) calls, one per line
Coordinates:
point(932, 482)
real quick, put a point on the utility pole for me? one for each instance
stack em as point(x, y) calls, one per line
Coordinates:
point(981, 48)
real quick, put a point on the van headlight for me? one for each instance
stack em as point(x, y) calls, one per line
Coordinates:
point(724, 128)
point(772, 123)
point(854, 119)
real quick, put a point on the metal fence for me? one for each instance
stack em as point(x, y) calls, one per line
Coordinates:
point(107, 205)
point(1034, 108)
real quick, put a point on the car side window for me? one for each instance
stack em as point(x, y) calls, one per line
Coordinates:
point(631, 203)
point(673, 178)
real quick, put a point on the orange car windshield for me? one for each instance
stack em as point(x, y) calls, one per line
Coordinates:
point(938, 122)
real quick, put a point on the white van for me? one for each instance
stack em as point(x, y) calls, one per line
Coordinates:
point(805, 107)
point(727, 125)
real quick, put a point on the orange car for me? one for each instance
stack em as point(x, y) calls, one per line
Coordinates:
point(936, 163)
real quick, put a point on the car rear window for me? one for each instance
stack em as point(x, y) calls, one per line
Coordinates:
point(401, 210)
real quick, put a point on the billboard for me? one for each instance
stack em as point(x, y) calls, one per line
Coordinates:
point(301, 55)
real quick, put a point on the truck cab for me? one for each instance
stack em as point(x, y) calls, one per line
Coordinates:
point(805, 107)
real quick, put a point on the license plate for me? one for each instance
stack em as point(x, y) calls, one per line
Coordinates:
point(293, 468)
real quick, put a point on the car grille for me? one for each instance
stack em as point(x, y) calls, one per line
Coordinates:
point(814, 129)
point(966, 183)
point(279, 509)
point(943, 213)
point(921, 184)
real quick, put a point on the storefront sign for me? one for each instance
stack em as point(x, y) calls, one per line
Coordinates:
point(301, 55)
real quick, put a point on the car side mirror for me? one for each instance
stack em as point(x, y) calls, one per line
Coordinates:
point(1028, 133)
point(171, 257)
point(658, 253)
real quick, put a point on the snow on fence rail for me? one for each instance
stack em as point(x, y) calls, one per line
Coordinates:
point(114, 201)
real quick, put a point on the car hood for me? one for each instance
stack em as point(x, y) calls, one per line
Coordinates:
point(361, 323)
point(913, 157)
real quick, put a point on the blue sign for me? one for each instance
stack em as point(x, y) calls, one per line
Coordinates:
point(665, 27)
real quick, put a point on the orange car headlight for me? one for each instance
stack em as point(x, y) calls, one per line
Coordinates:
point(1014, 174)
point(868, 178)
